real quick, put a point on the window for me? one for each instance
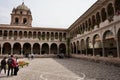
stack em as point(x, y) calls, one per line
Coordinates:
point(16, 20)
point(24, 21)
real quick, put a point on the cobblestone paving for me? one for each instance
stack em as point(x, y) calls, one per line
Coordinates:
point(65, 69)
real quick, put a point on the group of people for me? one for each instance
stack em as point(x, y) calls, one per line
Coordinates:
point(12, 64)
point(30, 56)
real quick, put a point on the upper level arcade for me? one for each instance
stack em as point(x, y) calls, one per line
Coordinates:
point(21, 16)
point(98, 16)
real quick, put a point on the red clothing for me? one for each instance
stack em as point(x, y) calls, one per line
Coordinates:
point(14, 63)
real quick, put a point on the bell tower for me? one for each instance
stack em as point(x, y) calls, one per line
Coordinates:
point(21, 16)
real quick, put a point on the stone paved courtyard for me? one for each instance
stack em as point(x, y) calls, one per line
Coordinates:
point(65, 69)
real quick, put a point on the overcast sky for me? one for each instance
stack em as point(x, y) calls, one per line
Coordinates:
point(47, 13)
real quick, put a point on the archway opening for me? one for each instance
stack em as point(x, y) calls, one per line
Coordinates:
point(103, 14)
point(110, 49)
point(16, 20)
point(117, 7)
point(71, 48)
point(78, 47)
point(24, 21)
point(74, 48)
point(6, 48)
point(17, 48)
point(62, 48)
point(36, 48)
point(53, 49)
point(97, 45)
point(45, 49)
point(110, 11)
point(118, 35)
point(26, 49)
point(89, 46)
point(83, 51)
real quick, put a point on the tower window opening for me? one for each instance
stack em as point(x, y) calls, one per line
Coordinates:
point(20, 12)
point(16, 20)
point(24, 21)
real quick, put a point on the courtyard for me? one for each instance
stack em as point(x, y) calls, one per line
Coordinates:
point(64, 69)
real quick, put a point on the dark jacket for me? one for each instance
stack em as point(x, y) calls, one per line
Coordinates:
point(3, 62)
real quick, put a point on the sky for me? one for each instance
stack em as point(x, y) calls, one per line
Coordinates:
point(47, 13)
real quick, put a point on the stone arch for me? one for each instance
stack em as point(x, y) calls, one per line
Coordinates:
point(25, 34)
point(98, 18)
point(71, 48)
point(5, 34)
point(43, 35)
point(89, 23)
point(64, 35)
point(16, 20)
point(118, 36)
point(83, 27)
point(103, 14)
point(78, 47)
point(0, 49)
point(1, 33)
point(27, 49)
point(36, 48)
point(75, 47)
point(117, 7)
point(110, 12)
point(89, 46)
point(24, 20)
point(83, 50)
point(30, 34)
point(56, 35)
point(10, 34)
point(97, 45)
point(93, 21)
point(15, 35)
point(86, 24)
point(53, 48)
point(60, 36)
point(47, 35)
point(45, 48)
point(34, 35)
point(62, 48)
point(17, 48)
point(109, 43)
point(20, 34)
point(52, 36)
point(39, 35)
point(6, 48)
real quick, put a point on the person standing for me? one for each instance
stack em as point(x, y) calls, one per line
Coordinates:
point(16, 66)
point(10, 65)
point(32, 56)
point(3, 65)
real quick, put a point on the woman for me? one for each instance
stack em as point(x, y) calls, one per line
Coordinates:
point(16, 67)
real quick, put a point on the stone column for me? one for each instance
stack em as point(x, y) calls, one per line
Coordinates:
point(118, 55)
point(49, 51)
point(1, 50)
point(21, 51)
point(57, 49)
point(103, 48)
point(31, 50)
point(11, 51)
point(76, 49)
point(40, 50)
point(93, 51)
point(86, 51)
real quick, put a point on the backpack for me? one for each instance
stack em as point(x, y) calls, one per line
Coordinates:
point(9, 62)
